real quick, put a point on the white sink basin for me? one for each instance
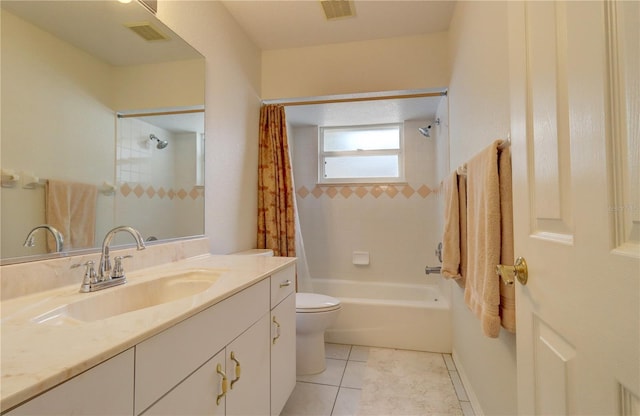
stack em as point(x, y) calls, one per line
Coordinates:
point(131, 297)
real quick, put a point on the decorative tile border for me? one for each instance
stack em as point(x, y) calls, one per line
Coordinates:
point(361, 191)
point(136, 190)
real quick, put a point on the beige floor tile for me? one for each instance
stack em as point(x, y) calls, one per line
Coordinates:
point(353, 374)
point(347, 402)
point(310, 399)
point(337, 351)
point(359, 353)
point(332, 375)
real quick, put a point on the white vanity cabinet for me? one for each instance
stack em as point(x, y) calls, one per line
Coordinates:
point(166, 359)
point(283, 338)
point(237, 358)
point(106, 389)
point(243, 366)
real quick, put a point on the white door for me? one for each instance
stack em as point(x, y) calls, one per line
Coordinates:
point(575, 126)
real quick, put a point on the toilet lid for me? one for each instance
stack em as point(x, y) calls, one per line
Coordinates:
point(315, 302)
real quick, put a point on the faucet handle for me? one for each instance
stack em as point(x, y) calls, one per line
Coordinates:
point(90, 275)
point(118, 271)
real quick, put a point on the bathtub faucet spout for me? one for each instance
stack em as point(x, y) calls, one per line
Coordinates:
point(432, 269)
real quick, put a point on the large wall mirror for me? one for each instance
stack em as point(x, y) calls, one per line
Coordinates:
point(102, 125)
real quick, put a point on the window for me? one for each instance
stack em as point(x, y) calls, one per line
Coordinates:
point(363, 154)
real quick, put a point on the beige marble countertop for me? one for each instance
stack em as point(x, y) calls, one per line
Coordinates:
point(39, 356)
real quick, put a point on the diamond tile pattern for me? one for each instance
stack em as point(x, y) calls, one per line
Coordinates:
point(362, 191)
point(138, 191)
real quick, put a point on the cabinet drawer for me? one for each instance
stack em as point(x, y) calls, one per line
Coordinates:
point(282, 284)
point(166, 359)
point(106, 389)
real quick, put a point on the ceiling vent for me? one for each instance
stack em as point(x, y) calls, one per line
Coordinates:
point(337, 9)
point(147, 31)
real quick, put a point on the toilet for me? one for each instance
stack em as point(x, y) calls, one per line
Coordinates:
point(314, 314)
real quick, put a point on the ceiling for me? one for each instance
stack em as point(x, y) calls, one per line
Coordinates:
point(281, 24)
point(273, 24)
point(98, 27)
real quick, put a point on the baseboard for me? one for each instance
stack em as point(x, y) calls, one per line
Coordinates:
point(471, 395)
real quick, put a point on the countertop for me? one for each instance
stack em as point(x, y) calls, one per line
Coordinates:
point(39, 356)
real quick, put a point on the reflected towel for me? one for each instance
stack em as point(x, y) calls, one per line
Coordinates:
point(454, 235)
point(482, 289)
point(71, 208)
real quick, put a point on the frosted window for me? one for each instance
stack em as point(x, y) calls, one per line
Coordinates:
point(337, 140)
point(361, 167)
point(362, 154)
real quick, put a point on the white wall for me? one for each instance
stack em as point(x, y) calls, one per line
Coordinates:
point(231, 120)
point(478, 114)
point(404, 63)
point(397, 224)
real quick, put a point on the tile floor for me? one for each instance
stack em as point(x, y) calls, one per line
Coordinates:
point(338, 390)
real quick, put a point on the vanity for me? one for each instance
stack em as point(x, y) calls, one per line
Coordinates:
point(202, 335)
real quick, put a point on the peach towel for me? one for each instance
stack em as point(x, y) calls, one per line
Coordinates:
point(454, 242)
point(71, 208)
point(507, 293)
point(489, 229)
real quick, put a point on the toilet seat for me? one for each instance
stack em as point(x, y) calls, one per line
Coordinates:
point(315, 302)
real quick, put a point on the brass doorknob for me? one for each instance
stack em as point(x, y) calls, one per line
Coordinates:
point(518, 270)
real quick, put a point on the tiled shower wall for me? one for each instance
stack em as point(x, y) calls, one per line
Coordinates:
point(396, 223)
point(157, 190)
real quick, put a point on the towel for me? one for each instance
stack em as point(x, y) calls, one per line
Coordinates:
point(71, 208)
point(482, 288)
point(454, 233)
point(507, 292)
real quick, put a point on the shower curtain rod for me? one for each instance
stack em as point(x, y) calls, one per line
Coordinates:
point(160, 113)
point(358, 99)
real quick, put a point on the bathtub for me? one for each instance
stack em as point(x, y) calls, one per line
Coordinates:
point(404, 316)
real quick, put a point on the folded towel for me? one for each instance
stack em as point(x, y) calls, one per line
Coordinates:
point(482, 288)
point(452, 241)
point(507, 293)
point(71, 208)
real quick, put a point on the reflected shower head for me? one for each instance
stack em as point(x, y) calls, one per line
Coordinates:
point(161, 143)
point(426, 130)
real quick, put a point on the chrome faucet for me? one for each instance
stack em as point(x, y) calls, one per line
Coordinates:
point(57, 236)
point(105, 277)
point(104, 268)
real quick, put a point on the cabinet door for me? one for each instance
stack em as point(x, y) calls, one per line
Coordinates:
point(249, 388)
point(197, 394)
point(283, 352)
point(106, 389)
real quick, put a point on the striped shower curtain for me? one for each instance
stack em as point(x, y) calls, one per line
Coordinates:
point(276, 215)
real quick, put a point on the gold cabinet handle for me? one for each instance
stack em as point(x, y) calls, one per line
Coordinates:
point(224, 384)
point(277, 330)
point(235, 360)
point(518, 270)
point(285, 283)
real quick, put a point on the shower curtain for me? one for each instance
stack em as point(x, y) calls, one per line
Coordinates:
point(276, 212)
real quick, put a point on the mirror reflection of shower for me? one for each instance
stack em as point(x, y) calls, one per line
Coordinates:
point(161, 143)
point(426, 130)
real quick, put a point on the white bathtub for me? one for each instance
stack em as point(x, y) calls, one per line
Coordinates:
point(405, 316)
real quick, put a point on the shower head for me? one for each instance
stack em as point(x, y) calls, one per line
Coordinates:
point(161, 143)
point(426, 130)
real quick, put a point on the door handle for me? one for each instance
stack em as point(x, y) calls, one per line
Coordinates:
point(518, 270)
